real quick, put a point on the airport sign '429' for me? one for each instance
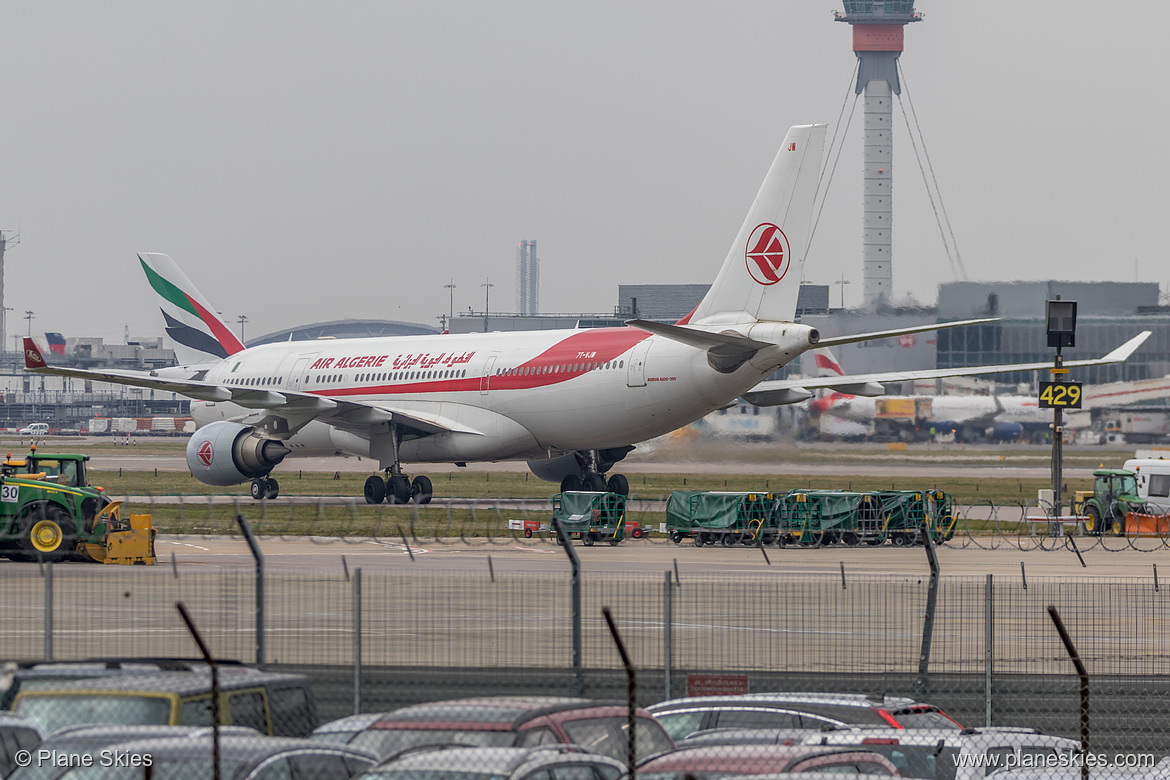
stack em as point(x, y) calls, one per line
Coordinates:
point(1065, 395)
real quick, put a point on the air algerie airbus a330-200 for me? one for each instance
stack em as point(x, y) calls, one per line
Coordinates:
point(570, 402)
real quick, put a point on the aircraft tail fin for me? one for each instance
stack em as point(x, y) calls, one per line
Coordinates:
point(827, 364)
point(199, 335)
point(760, 277)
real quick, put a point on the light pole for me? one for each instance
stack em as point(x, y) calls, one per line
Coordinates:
point(487, 291)
point(4, 324)
point(242, 319)
point(842, 281)
point(451, 312)
point(29, 315)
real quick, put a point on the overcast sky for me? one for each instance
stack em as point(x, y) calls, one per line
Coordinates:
point(314, 161)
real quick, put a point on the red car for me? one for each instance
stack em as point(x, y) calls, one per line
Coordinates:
point(682, 717)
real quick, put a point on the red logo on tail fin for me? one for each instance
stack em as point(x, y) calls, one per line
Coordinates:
point(767, 254)
point(32, 355)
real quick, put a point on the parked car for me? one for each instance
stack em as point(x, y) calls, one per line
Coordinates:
point(279, 704)
point(78, 740)
point(16, 734)
point(33, 674)
point(35, 429)
point(515, 721)
point(938, 753)
point(749, 737)
point(343, 730)
point(499, 763)
point(711, 761)
point(682, 717)
point(241, 758)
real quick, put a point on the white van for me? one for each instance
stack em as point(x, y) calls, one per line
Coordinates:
point(1153, 482)
point(35, 429)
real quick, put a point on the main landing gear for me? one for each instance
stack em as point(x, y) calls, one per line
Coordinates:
point(397, 489)
point(594, 478)
point(265, 487)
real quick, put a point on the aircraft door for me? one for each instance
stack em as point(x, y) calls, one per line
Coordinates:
point(486, 378)
point(297, 381)
point(636, 377)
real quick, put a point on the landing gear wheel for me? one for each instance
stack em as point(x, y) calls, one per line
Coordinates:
point(571, 483)
point(593, 482)
point(47, 533)
point(271, 488)
point(374, 490)
point(618, 484)
point(421, 490)
point(398, 489)
point(257, 489)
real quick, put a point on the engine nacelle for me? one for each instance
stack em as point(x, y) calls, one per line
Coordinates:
point(227, 453)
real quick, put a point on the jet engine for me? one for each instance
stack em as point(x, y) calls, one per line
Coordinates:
point(227, 453)
point(1006, 431)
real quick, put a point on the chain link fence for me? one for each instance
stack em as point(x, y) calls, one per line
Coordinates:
point(377, 641)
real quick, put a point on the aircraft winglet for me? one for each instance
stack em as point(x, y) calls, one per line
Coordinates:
point(1123, 352)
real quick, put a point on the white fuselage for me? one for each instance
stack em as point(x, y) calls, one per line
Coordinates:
point(506, 395)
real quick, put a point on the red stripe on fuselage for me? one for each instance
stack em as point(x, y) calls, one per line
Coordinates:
point(575, 356)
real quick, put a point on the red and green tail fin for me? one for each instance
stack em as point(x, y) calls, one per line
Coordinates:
point(198, 334)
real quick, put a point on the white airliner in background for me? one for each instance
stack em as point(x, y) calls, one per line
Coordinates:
point(973, 416)
point(570, 402)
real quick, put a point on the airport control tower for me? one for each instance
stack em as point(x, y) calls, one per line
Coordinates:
point(878, 29)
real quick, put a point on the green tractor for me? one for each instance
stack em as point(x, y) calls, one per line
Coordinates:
point(48, 512)
point(1115, 494)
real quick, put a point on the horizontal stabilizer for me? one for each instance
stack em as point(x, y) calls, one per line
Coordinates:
point(699, 339)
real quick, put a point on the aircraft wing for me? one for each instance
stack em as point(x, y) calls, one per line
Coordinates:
point(766, 392)
point(833, 341)
point(299, 407)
